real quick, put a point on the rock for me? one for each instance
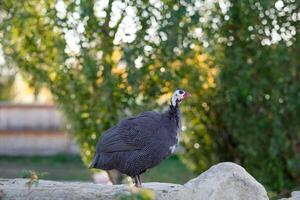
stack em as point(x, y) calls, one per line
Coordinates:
point(227, 181)
point(294, 196)
point(223, 181)
point(46, 190)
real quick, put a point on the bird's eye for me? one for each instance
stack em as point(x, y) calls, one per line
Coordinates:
point(180, 92)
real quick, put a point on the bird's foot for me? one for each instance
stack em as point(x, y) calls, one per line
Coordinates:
point(138, 185)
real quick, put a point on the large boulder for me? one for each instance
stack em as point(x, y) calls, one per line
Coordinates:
point(223, 181)
point(227, 181)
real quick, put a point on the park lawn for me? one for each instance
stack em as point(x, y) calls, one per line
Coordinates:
point(70, 167)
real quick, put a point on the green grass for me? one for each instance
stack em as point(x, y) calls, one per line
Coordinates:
point(59, 167)
point(171, 170)
point(70, 167)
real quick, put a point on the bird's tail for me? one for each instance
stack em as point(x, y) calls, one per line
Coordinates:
point(93, 164)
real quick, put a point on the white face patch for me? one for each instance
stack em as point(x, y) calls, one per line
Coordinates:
point(177, 95)
point(172, 148)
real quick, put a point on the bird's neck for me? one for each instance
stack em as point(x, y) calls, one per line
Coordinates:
point(174, 112)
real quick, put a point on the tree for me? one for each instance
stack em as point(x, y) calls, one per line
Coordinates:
point(255, 45)
point(102, 60)
point(7, 78)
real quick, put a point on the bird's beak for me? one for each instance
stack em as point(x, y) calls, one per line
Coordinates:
point(186, 94)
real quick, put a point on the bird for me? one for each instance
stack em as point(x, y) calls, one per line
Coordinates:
point(138, 143)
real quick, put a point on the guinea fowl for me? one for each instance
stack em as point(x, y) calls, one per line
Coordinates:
point(140, 142)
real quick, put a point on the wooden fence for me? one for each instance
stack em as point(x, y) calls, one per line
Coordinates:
point(33, 129)
point(29, 117)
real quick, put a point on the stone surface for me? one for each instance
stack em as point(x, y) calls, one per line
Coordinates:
point(46, 190)
point(227, 181)
point(294, 196)
point(223, 181)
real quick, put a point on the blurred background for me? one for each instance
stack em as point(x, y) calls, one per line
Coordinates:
point(70, 69)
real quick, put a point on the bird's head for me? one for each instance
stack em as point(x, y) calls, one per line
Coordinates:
point(178, 96)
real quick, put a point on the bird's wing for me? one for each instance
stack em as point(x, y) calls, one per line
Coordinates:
point(131, 133)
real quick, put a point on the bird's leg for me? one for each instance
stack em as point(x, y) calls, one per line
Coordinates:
point(137, 181)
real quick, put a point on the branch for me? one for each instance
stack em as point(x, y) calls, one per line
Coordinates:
point(115, 29)
point(107, 19)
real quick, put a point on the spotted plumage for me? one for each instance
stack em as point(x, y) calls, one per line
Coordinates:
point(140, 142)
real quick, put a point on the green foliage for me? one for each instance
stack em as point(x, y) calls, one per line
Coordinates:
point(32, 176)
point(143, 194)
point(107, 75)
point(91, 85)
point(256, 109)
